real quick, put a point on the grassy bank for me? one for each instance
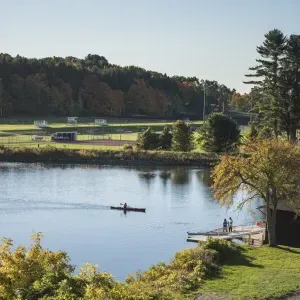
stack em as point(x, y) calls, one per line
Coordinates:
point(259, 273)
point(106, 156)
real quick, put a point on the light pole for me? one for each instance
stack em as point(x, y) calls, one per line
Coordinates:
point(204, 103)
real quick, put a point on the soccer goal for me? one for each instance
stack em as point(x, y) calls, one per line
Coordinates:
point(72, 120)
point(41, 123)
point(100, 122)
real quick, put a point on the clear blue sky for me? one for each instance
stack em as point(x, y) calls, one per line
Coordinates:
point(209, 39)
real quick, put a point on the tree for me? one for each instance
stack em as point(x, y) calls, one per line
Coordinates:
point(1, 98)
point(268, 71)
point(290, 86)
point(269, 169)
point(93, 86)
point(165, 139)
point(240, 102)
point(182, 137)
point(149, 140)
point(31, 273)
point(219, 133)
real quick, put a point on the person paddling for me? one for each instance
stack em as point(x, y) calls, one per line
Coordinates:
point(125, 205)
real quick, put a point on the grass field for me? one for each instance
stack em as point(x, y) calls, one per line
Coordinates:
point(16, 133)
point(260, 273)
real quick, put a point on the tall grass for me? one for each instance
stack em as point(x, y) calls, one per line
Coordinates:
point(105, 156)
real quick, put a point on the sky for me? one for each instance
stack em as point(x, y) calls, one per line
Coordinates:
point(209, 39)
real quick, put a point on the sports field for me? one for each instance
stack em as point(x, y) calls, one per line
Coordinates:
point(116, 133)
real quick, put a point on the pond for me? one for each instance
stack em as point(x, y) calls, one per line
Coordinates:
point(70, 205)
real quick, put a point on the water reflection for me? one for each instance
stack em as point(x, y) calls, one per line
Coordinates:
point(205, 177)
point(70, 204)
point(181, 176)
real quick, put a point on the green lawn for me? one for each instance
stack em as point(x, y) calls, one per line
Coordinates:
point(260, 273)
point(63, 145)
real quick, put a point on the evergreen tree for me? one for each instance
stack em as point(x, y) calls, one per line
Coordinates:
point(290, 86)
point(165, 139)
point(219, 133)
point(182, 137)
point(149, 140)
point(268, 73)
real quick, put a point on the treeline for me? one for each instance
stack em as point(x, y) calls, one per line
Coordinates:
point(56, 86)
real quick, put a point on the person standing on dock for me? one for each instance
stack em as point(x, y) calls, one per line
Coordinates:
point(225, 225)
point(230, 224)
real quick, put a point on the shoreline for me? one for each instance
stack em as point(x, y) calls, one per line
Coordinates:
point(107, 157)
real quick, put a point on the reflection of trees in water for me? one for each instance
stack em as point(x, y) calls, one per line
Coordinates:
point(204, 176)
point(181, 176)
point(147, 178)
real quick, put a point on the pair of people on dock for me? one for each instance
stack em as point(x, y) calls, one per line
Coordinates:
point(227, 225)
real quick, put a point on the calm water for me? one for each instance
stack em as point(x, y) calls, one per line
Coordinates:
point(69, 204)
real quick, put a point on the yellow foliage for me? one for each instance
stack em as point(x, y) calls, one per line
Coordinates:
point(269, 169)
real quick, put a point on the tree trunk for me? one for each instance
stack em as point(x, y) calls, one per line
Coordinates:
point(293, 133)
point(271, 222)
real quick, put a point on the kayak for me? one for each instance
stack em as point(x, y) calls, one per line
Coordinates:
point(128, 208)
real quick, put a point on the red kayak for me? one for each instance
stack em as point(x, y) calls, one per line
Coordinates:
point(128, 208)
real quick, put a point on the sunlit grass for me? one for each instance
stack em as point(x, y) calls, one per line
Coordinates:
point(115, 123)
point(260, 273)
point(63, 146)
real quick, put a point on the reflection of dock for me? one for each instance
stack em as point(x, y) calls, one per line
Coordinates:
point(253, 232)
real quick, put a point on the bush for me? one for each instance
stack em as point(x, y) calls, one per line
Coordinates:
point(127, 147)
point(225, 249)
point(165, 139)
point(219, 133)
point(182, 137)
point(149, 140)
point(37, 273)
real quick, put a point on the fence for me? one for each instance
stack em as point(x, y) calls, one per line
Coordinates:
point(85, 139)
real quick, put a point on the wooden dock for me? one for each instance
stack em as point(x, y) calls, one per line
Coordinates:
point(238, 232)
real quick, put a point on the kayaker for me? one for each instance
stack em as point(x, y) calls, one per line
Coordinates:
point(230, 224)
point(225, 225)
point(125, 205)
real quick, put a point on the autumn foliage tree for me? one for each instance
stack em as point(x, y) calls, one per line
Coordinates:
point(269, 169)
point(92, 87)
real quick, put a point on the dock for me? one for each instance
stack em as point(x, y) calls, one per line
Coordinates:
point(253, 232)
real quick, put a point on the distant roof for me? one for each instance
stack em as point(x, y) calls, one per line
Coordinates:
point(281, 206)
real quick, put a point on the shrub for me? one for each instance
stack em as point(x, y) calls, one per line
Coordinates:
point(127, 147)
point(165, 139)
point(149, 140)
point(182, 137)
point(219, 133)
point(225, 249)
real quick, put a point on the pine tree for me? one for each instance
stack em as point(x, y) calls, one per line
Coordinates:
point(268, 73)
point(290, 86)
point(182, 137)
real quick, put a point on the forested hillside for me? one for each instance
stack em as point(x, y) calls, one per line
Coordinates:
point(56, 86)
